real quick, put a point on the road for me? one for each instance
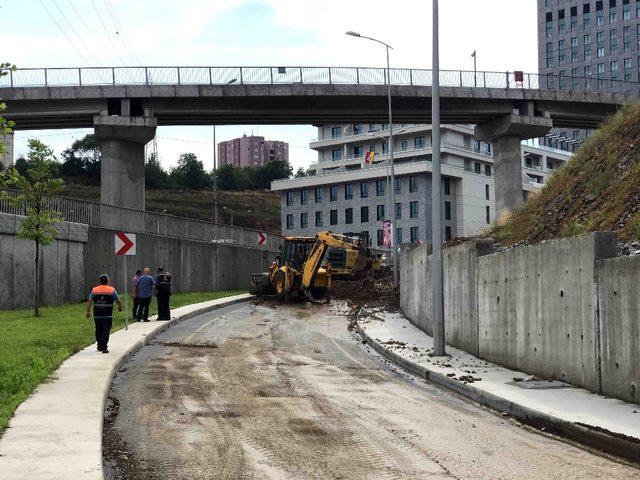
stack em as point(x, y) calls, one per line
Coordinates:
point(285, 391)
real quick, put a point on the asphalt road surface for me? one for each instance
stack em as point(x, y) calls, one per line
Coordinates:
point(285, 391)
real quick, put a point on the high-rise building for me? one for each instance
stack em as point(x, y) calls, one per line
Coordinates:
point(252, 151)
point(346, 194)
point(587, 44)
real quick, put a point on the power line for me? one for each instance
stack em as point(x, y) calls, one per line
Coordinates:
point(64, 33)
point(106, 31)
point(55, 3)
point(107, 54)
point(125, 40)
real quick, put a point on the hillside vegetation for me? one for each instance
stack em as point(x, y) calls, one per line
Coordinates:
point(598, 190)
point(198, 204)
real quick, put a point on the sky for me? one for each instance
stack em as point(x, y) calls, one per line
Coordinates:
point(76, 33)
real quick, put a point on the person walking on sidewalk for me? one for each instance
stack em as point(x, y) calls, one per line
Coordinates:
point(137, 311)
point(102, 297)
point(163, 294)
point(145, 292)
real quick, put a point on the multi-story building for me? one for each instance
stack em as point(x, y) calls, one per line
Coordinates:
point(580, 40)
point(345, 194)
point(252, 151)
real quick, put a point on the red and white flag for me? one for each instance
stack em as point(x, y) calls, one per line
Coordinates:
point(368, 158)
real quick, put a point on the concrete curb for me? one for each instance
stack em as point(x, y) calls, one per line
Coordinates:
point(617, 445)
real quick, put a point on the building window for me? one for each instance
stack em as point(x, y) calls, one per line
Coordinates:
point(358, 128)
point(418, 142)
point(447, 210)
point(336, 132)
point(488, 214)
point(364, 214)
point(333, 217)
point(404, 144)
point(304, 220)
point(364, 189)
point(487, 170)
point(398, 211)
point(289, 199)
point(358, 151)
point(447, 186)
point(414, 234)
point(398, 236)
point(336, 154)
point(318, 194)
point(385, 147)
point(372, 148)
point(413, 184)
point(348, 191)
point(447, 233)
point(380, 187)
point(398, 184)
point(318, 219)
point(486, 192)
point(413, 209)
point(477, 167)
point(304, 197)
point(380, 212)
point(289, 221)
point(348, 216)
point(333, 193)
point(380, 236)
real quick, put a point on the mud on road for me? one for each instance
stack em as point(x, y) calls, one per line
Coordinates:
point(275, 391)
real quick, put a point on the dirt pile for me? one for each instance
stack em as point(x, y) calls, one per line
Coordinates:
point(370, 292)
point(598, 190)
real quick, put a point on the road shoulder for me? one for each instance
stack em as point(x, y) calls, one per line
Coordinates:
point(57, 432)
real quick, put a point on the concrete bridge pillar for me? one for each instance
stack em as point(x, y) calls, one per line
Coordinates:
point(6, 160)
point(506, 135)
point(122, 140)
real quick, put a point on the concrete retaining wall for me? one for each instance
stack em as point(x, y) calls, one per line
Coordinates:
point(565, 309)
point(71, 265)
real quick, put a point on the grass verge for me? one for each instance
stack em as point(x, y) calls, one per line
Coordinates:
point(31, 349)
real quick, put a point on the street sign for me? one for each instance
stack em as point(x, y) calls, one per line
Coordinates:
point(125, 244)
point(261, 238)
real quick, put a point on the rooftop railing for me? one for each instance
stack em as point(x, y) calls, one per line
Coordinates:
point(139, 221)
point(101, 76)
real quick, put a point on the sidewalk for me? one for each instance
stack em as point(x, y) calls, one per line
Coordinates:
point(603, 423)
point(57, 432)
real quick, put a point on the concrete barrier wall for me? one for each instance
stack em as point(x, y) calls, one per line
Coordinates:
point(619, 306)
point(567, 309)
point(61, 267)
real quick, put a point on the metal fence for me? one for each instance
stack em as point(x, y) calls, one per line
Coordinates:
point(139, 221)
point(97, 76)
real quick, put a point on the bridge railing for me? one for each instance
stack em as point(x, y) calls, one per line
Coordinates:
point(139, 221)
point(100, 76)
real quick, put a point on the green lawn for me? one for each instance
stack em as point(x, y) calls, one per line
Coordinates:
point(31, 349)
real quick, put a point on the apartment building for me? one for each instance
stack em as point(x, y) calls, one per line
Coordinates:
point(345, 194)
point(580, 40)
point(252, 151)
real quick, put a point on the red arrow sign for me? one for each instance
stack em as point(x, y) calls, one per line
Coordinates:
point(261, 238)
point(125, 244)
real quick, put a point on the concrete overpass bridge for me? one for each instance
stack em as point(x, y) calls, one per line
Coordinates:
point(125, 105)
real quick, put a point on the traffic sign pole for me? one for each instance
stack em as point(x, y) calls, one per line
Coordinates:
point(126, 295)
point(125, 245)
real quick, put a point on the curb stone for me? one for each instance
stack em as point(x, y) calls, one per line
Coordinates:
point(618, 445)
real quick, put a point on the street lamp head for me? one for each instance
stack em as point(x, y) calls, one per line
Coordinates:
point(233, 80)
point(353, 34)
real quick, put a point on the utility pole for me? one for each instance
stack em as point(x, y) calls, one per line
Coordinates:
point(437, 316)
point(475, 69)
point(215, 179)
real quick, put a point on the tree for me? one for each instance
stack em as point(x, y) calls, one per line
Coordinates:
point(34, 190)
point(38, 153)
point(155, 177)
point(190, 173)
point(227, 177)
point(301, 172)
point(271, 171)
point(81, 161)
point(5, 125)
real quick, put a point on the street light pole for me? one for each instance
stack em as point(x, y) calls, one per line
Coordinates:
point(475, 69)
point(215, 179)
point(437, 316)
point(391, 194)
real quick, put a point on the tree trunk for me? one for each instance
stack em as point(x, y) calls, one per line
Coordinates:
point(36, 296)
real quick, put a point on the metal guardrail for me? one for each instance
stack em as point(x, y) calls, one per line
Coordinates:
point(98, 76)
point(139, 221)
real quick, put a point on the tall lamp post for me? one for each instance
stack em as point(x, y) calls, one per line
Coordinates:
point(391, 194)
point(437, 316)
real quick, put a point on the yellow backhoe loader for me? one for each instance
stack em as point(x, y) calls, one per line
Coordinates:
point(303, 268)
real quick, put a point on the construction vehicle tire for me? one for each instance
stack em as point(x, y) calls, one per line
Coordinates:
point(280, 283)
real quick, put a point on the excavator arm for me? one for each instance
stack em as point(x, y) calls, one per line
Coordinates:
point(324, 240)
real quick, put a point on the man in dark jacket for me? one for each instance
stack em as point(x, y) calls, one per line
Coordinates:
point(163, 293)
